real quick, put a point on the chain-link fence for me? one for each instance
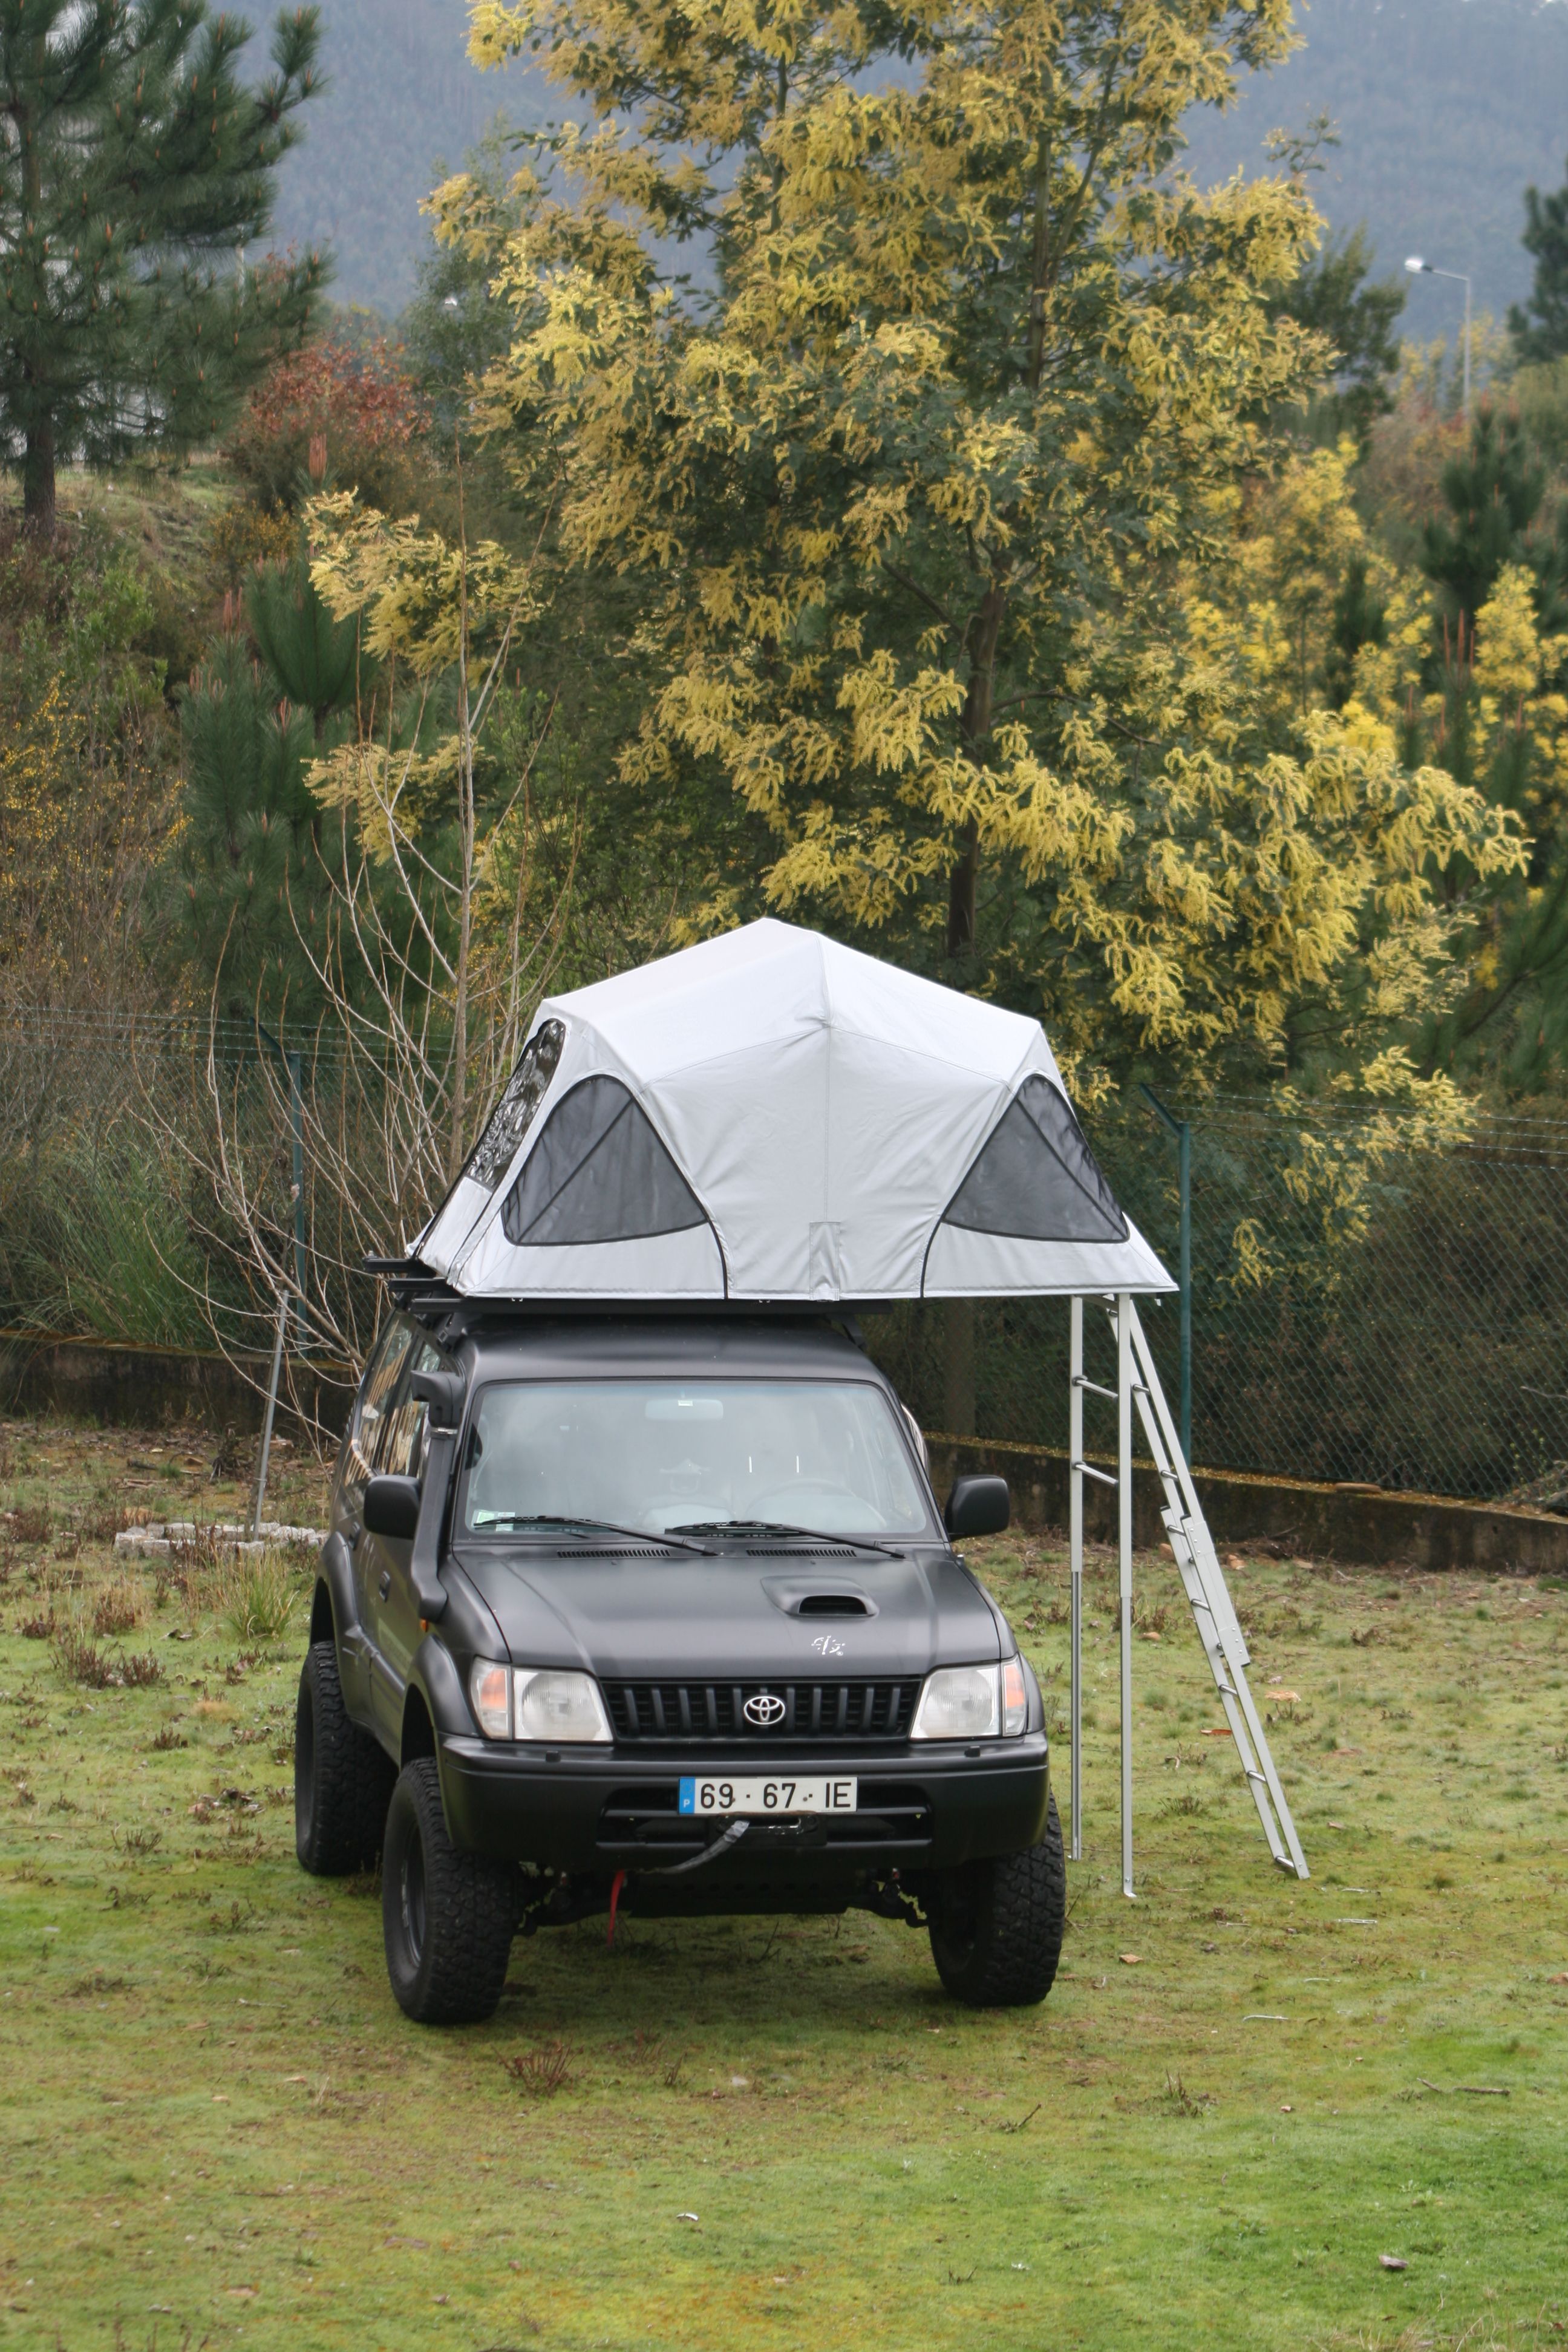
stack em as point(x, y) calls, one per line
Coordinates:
point(1371, 1304)
point(1370, 1301)
point(111, 1224)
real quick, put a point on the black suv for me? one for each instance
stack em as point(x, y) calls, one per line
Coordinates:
point(655, 1615)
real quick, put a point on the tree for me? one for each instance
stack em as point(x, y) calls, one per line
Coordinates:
point(433, 943)
point(1332, 298)
point(1540, 327)
point(255, 855)
point(357, 409)
point(925, 496)
point(134, 163)
point(1493, 493)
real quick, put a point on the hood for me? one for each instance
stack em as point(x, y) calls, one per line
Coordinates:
point(640, 1618)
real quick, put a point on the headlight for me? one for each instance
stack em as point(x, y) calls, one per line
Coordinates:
point(972, 1703)
point(489, 1694)
point(552, 1706)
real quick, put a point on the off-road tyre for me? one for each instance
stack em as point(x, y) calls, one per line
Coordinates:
point(448, 1918)
point(996, 1926)
point(342, 1781)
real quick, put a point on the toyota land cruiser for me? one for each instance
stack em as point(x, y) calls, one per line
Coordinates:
point(655, 1614)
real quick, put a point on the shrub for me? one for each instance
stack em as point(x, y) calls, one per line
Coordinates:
point(544, 2071)
point(256, 1593)
point(358, 408)
point(79, 1660)
point(246, 535)
point(120, 1607)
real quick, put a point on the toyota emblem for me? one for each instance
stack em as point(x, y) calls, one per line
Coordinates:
point(764, 1709)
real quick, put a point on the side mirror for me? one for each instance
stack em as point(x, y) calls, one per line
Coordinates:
point(390, 1506)
point(977, 1507)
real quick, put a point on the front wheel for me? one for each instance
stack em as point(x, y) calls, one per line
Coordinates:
point(996, 1927)
point(448, 1918)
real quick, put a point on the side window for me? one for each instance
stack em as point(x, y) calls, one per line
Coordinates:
point(380, 1382)
point(402, 1436)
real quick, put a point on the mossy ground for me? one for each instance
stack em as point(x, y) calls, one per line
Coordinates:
point(219, 2130)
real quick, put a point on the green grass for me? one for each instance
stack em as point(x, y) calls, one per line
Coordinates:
point(218, 2130)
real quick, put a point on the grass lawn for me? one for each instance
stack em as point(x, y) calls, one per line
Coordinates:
point(1242, 2093)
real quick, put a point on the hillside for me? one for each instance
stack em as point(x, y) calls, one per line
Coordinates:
point(1447, 109)
point(402, 98)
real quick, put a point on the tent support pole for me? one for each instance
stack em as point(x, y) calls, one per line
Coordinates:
point(1124, 1564)
point(1075, 1555)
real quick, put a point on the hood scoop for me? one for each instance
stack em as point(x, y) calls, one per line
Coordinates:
point(818, 1596)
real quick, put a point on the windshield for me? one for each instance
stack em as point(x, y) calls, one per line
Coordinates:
point(657, 1454)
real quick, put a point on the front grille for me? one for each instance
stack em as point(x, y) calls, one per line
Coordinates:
point(689, 1714)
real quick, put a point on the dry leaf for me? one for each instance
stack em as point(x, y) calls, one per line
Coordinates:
point(1393, 2262)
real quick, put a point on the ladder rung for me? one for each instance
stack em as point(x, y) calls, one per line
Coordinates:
point(1087, 1470)
point(1079, 1382)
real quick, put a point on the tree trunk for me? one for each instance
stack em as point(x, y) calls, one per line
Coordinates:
point(38, 482)
point(961, 898)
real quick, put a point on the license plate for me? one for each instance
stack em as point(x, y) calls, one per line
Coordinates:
point(780, 1795)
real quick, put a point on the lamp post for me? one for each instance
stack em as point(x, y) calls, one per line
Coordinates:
point(1419, 268)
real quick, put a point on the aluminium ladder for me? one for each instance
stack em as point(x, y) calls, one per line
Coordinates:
point(1223, 1644)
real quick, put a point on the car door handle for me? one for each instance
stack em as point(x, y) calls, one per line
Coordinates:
point(384, 1587)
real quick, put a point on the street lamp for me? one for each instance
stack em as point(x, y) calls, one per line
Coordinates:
point(1419, 268)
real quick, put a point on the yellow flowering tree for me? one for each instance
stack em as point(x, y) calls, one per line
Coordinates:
point(920, 494)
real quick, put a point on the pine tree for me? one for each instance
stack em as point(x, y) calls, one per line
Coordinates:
point(1540, 327)
point(136, 165)
point(1334, 297)
point(258, 853)
point(1493, 493)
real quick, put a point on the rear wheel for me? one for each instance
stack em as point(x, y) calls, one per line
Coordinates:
point(448, 1918)
point(996, 1926)
point(342, 1778)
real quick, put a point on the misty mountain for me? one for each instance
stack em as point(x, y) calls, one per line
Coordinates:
point(1446, 110)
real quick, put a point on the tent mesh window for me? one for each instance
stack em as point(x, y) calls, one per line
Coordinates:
point(514, 1114)
point(599, 1173)
point(1035, 1177)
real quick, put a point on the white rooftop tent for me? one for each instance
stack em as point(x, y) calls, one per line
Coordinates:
point(771, 1118)
point(769, 1115)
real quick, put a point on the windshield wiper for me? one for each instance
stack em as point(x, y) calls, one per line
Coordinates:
point(589, 1526)
point(778, 1527)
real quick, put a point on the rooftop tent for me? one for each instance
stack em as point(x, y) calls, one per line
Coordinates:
point(769, 1116)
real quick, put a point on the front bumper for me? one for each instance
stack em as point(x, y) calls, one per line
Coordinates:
point(924, 1807)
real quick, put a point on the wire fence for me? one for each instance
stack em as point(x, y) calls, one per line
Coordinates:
point(1372, 1302)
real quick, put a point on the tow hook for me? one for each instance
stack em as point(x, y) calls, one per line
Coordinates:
point(889, 1900)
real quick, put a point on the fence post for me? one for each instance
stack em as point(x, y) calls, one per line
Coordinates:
point(296, 1107)
point(262, 1458)
point(1182, 1129)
